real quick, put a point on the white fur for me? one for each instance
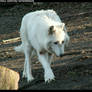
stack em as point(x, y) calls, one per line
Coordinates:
point(35, 38)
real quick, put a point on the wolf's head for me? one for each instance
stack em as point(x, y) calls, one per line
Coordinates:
point(58, 38)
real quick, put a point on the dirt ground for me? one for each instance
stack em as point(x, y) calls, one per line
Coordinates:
point(72, 71)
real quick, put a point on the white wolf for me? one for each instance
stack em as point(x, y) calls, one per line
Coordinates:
point(42, 32)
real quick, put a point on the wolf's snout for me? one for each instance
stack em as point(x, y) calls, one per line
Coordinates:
point(61, 55)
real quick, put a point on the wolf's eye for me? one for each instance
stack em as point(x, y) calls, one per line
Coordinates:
point(56, 42)
point(62, 42)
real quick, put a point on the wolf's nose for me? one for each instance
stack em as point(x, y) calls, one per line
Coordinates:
point(61, 55)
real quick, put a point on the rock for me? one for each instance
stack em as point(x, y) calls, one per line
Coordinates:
point(8, 79)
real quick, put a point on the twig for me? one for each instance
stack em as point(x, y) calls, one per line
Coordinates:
point(84, 13)
point(11, 40)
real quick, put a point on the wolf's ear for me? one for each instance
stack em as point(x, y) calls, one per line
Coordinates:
point(51, 30)
point(63, 25)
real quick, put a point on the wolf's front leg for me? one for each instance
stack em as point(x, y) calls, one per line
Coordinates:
point(48, 73)
point(27, 65)
point(50, 58)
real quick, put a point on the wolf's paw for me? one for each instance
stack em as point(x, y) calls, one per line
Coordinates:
point(49, 77)
point(30, 79)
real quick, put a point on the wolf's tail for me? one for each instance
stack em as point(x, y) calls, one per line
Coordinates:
point(19, 48)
